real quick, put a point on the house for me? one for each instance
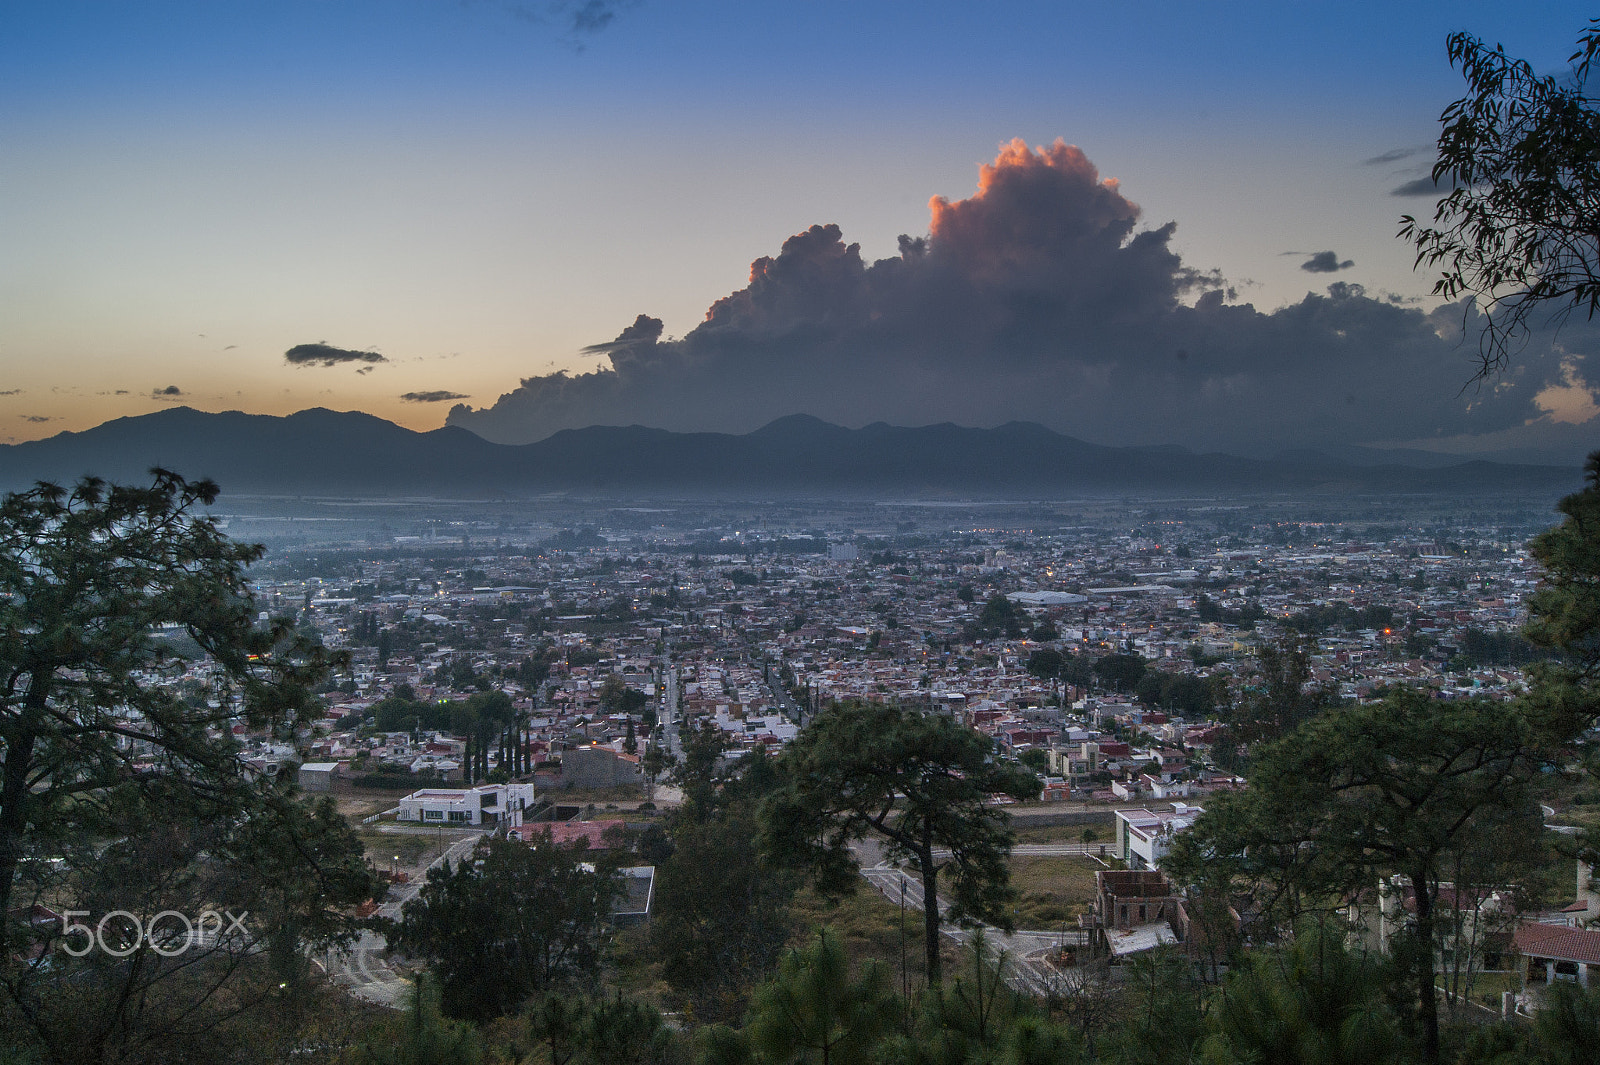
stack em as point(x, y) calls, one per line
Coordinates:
point(1473, 925)
point(1124, 898)
point(1554, 953)
point(487, 804)
point(1144, 837)
point(1561, 947)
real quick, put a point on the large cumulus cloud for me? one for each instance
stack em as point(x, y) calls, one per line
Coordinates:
point(1037, 298)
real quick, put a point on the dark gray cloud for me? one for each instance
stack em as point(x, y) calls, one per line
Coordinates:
point(11, 392)
point(324, 354)
point(1325, 262)
point(1395, 155)
point(1038, 298)
point(592, 16)
point(579, 18)
point(1424, 186)
point(433, 397)
point(37, 418)
point(170, 390)
point(644, 330)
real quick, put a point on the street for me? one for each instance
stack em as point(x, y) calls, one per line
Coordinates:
point(362, 968)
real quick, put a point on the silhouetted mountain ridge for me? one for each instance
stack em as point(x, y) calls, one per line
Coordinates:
point(320, 451)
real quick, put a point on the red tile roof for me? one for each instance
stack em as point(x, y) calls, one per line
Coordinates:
point(1555, 941)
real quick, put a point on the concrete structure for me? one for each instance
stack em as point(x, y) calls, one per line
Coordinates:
point(487, 804)
point(1135, 910)
point(1144, 837)
point(1077, 762)
point(1473, 926)
point(1047, 598)
point(317, 776)
point(638, 893)
point(1127, 897)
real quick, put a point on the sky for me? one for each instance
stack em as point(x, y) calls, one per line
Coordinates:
point(1141, 223)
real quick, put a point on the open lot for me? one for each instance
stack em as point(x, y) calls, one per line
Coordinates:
point(1027, 833)
point(1052, 891)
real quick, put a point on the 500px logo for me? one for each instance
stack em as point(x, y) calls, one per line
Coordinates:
point(119, 933)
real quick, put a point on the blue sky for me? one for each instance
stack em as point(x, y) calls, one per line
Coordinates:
point(480, 189)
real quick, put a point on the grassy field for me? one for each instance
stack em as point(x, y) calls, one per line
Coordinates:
point(1062, 833)
point(355, 807)
point(1052, 891)
point(870, 927)
point(383, 847)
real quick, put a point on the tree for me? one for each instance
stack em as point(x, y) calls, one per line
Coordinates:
point(721, 913)
point(701, 773)
point(1285, 697)
point(122, 789)
point(88, 578)
point(1520, 228)
point(917, 781)
point(1164, 1017)
point(814, 1012)
point(515, 919)
point(1000, 617)
point(421, 1035)
point(1359, 793)
point(1045, 663)
point(625, 1031)
point(976, 1017)
point(1311, 1002)
point(617, 698)
point(1120, 671)
point(1565, 609)
point(1564, 617)
point(655, 761)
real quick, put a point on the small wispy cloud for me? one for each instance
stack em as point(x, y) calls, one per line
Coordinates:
point(1395, 155)
point(1425, 186)
point(439, 396)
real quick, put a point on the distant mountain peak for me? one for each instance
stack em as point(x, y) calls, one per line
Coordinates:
point(321, 451)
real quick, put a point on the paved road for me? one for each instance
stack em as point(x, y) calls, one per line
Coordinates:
point(362, 968)
point(669, 715)
point(1050, 850)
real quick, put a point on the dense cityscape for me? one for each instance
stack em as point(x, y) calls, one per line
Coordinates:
point(1000, 625)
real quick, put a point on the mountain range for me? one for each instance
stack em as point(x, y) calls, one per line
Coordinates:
point(323, 452)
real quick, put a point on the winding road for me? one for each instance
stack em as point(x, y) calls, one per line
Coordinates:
point(363, 968)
